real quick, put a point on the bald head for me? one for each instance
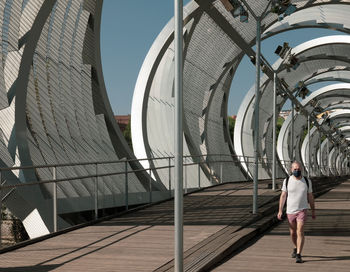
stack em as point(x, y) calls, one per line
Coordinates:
point(296, 170)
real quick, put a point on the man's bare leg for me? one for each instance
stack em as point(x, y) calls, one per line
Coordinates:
point(293, 232)
point(300, 236)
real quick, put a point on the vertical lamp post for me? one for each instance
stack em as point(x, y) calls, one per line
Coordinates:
point(274, 131)
point(292, 135)
point(256, 116)
point(308, 147)
point(178, 10)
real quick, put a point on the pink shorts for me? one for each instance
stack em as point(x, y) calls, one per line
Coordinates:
point(299, 216)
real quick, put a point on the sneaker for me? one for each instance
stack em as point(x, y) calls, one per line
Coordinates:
point(298, 259)
point(294, 254)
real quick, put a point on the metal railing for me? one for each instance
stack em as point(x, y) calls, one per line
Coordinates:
point(212, 165)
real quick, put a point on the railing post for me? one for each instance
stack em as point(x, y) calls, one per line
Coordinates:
point(126, 187)
point(221, 181)
point(328, 166)
point(96, 192)
point(170, 177)
point(210, 175)
point(199, 174)
point(185, 166)
point(54, 199)
point(247, 168)
point(320, 158)
point(0, 208)
point(150, 184)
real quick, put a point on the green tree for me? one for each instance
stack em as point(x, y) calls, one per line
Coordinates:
point(280, 121)
point(127, 135)
point(231, 125)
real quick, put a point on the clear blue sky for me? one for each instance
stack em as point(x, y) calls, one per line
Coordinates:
point(128, 31)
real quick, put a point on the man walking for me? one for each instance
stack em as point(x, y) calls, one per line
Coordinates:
point(297, 190)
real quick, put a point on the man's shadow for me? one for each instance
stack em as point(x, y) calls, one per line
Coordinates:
point(325, 258)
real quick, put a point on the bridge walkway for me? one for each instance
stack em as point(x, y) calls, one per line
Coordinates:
point(217, 221)
point(327, 245)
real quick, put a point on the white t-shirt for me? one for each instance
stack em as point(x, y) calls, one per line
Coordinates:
point(297, 194)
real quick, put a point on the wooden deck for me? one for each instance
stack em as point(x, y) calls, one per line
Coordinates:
point(327, 245)
point(139, 241)
point(214, 220)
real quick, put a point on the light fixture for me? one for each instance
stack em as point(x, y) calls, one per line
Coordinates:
point(294, 63)
point(318, 109)
point(290, 9)
point(299, 84)
point(324, 115)
point(283, 50)
point(303, 92)
point(230, 5)
point(243, 15)
point(282, 8)
point(253, 59)
point(236, 9)
point(264, 68)
point(291, 61)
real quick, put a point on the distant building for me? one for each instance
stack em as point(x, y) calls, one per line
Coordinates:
point(123, 121)
point(284, 114)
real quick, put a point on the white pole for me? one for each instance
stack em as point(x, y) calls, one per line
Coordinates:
point(256, 118)
point(308, 147)
point(274, 131)
point(292, 135)
point(178, 44)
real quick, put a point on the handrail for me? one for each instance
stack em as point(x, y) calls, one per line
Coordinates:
point(213, 163)
point(28, 183)
point(113, 161)
point(234, 158)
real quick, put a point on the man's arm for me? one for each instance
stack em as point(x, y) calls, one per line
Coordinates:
point(311, 200)
point(283, 198)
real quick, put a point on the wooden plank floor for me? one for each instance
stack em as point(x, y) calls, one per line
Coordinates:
point(139, 241)
point(327, 245)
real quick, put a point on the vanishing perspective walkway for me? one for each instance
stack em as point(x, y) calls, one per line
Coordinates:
point(217, 221)
point(327, 246)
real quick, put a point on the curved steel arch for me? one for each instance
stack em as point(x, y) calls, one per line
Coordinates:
point(56, 111)
point(244, 130)
point(324, 97)
point(322, 15)
point(204, 67)
point(52, 70)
